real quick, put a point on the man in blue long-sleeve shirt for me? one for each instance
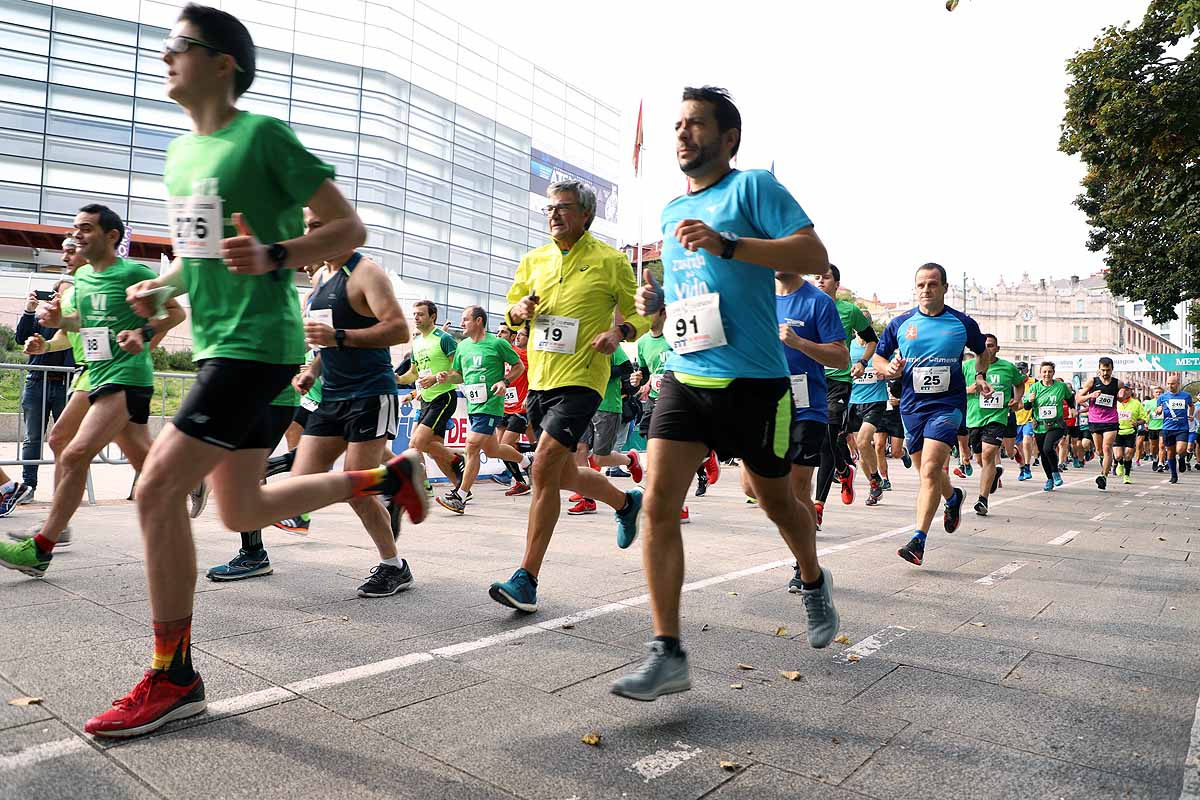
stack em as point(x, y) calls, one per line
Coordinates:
point(45, 393)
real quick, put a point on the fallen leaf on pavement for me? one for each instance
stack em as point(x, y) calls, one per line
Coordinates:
point(854, 658)
point(730, 766)
point(745, 666)
point(25, 701)
point(791, 676)
point(842, 639)
point(733, 594)
point(345, 619)
point(979, 624)
point(736, 686)
point(781, 631)
point(592, 739)
point(704, 627)
point(836, 740)
point(567, 627)
point(1161, 539)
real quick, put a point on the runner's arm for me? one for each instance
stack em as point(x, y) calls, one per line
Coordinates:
point(392, 328)
point(174, 315)
point(58, 341)
point(828, 354)
point(341, 229)
point(802, 252)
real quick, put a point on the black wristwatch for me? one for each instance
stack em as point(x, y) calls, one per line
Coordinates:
point(147, 333)
point(731, 240)
point(339, 336)
point(864, 362)
point(278, 255)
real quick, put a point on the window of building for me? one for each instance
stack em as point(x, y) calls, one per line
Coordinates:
point(1139, 309)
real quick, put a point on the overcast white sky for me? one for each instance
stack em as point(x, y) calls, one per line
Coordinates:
point(908, 134)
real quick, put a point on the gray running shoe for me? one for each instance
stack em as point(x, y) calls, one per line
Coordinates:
point(64, 538)
point(822, 616)
point(659, 674)
point(199, 499)
point(25, 494)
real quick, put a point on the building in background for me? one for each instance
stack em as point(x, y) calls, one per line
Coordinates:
point(1177, 331)
point(1034, 319)
point(444, 140)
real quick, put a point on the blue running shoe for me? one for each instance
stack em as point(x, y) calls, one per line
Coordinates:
point(627, 523)
point(968, 469)
point(906, 460)
point(502, 478)
point(243, 565)
point(519, 592)
point(1048, 486)
point(1058, 479)
point(1023, 475)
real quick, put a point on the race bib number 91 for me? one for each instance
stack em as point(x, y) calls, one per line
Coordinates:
point(694, 323)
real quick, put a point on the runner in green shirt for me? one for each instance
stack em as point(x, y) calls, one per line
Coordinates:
point(1154, 432)
point(480, 363)
point(987, 418)
point(432, 353)
point(1132, 418)
point(116, 345)
point(236, 184)
point(1045, 399)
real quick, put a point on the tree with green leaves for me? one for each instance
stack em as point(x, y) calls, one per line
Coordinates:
point(1133, 116)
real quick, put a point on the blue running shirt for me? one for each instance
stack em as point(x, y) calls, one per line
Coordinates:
point(750, 204)
point(1176, 411)
point(866, 389)
point(933, 351)
point(812, 315)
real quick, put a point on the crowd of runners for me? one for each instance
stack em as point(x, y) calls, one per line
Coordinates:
point(744, 354)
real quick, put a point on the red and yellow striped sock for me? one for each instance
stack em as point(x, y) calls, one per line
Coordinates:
point(367, 481)
point(173, 649)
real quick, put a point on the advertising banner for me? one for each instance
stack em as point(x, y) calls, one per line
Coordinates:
point(1127, 362)
point(545, 169)
point(456, 440)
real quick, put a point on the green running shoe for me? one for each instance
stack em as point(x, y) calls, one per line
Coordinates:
point(25, 557)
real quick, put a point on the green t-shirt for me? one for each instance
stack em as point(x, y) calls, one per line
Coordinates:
point(1050, 398)
point(82, 383)
point(652, 352)
point(260, 169)
point(853, 321)
point(1156, 415)
point(482, 364)
point(1128, 415)
point(103, 313)
point(1004, 378)
point(612, 392)
point(431, 354)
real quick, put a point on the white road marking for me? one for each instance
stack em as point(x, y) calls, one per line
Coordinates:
point(232, 705)
point(1066, 537)
point(661, 762)
point(1142, 494)
point(1001, 574)
point(872, 644)
point(1101, 516)
point(1191, 764)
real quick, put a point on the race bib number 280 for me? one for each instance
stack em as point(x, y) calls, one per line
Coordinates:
point(197, 223)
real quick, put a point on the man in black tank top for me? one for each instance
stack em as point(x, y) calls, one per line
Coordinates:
point(353, 318)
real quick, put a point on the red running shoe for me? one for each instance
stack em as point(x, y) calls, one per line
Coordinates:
point(958, 472)
point(517, 490)
point(404, 485)
point(820, 507)
point(592, 463)
point(712, 468)
point(684, 516)
point(154, 702)
point(635, 466)
point(584, 506)
point(575, 498)
point(847, 482)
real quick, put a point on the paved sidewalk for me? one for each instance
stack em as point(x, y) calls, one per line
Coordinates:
point(1051, 649)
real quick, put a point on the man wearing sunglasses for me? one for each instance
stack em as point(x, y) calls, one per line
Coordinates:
point(236, 186)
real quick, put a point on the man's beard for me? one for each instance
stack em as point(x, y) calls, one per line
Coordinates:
point(705, 156)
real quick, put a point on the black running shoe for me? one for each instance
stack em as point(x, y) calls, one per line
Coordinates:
point(981, 507)
point(913, 552)
point(1102, 483)
point(459, 465)
point(394, 511)
point(277, 465)
point(701, 486)
point(996, 481)
point(386, 580)
point(795, 585)
point(953, 513)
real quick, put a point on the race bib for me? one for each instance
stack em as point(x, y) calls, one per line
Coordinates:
point(694, 323)
point(308, 404)
point(96, 344)
point(556, 334)
point(656, 379)
point(868, 377)
point(196, 225)
point(476, 393)
point(1124, 416)
point(994, 401)
point(510, 396)
point(1047, 412)
point(1105, 401)
point(321, 315)
point(931, 380)
point(800, 391)
point(1176, 404)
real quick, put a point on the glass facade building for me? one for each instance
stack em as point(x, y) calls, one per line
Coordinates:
point(443, 139)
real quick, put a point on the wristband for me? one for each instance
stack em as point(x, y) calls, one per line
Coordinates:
point(147, 333)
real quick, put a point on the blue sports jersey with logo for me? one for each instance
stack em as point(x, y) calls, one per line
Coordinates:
point(933, 351)
point(813, 316)
point(749, 204)
point(866, 389)
point(1175, 414)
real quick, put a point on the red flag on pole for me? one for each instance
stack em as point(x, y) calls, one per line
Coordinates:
point(637, 142)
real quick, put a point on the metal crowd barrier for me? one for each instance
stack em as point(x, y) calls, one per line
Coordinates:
point(109, 455)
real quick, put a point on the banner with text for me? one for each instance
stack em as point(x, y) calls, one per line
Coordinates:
point(1127, 362)
point(545, 169)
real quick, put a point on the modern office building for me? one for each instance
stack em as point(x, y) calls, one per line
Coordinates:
point(443, 139)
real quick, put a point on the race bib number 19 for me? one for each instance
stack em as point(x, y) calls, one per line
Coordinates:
point(694, 323)
point(931, 380)
point(197, 224)
point(556, 334)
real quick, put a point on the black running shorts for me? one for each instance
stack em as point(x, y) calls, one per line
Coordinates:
point(229, 406)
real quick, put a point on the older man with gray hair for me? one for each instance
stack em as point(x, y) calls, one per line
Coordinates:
point(576, 293)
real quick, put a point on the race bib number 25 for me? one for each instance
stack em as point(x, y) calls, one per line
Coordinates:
point(931, 380)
